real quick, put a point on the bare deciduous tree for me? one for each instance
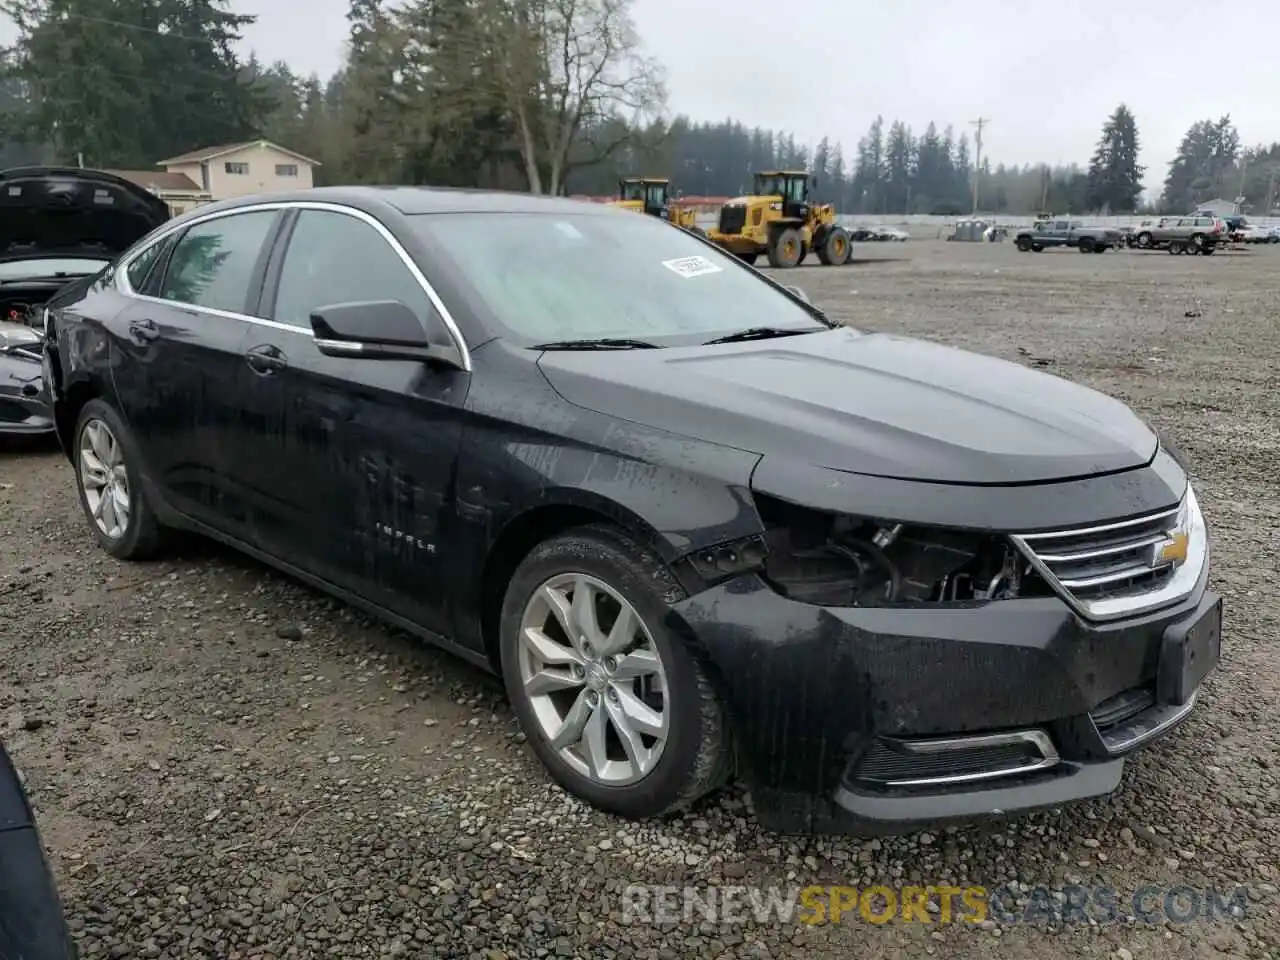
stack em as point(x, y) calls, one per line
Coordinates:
point(570, 68)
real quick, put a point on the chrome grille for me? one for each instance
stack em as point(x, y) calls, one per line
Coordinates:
point(1115, 569)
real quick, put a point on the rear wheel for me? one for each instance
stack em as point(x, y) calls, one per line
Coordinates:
point(833, 249)
point(1087, 245)
point(786, 248)
point(612, 703)
point(110, 486)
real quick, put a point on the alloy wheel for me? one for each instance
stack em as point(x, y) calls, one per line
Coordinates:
point(594, 679)
point(104, 479)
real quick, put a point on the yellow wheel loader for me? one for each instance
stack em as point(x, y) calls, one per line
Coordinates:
point(651, 195)
point(779, 220)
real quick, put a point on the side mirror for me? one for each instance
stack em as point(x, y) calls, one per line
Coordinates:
point(798, 294)
point(382, 330)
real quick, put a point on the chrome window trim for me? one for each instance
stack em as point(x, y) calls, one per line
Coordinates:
point(120, 277)
point(1176, 589)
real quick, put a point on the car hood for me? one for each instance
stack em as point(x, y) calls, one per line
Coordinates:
point(51, 211)
point(871, 404)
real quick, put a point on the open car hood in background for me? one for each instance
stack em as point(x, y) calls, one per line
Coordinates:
point(67, 211)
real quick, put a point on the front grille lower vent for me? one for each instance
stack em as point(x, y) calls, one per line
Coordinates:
point(732, 218)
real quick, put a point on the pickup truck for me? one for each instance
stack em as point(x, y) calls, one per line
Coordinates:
point(1066, 233)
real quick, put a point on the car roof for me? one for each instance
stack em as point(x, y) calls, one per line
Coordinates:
point(411, 200)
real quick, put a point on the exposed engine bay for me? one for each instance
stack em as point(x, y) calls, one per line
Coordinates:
point(22, 308)
point(21, 327)
point(833, 560)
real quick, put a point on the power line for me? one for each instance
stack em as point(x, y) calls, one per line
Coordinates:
point(977, 157)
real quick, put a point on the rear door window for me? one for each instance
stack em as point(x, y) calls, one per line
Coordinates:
point(212, 264)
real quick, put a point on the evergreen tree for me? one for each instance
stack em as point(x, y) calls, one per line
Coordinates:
point(899, 168)
point(1115, 177)
point(1199, 172)
point(163, 77)
point(868, 171)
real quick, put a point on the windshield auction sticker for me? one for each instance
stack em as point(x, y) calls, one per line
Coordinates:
point(689, 267)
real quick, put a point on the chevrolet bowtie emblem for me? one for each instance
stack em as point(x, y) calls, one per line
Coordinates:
point(1170, 552)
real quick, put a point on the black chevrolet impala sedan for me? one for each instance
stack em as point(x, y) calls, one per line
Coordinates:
point(698, 529)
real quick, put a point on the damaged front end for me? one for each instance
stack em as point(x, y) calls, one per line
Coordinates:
point(834, 560)
point(886, 674)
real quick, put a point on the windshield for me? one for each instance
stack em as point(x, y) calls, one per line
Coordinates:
point(657, 195)
point(583, 276)
point(42, 268)
point(633, 190)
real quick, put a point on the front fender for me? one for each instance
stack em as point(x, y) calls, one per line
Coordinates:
point(530, 462)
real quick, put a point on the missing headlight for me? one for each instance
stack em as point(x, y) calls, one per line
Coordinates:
point(836, 560)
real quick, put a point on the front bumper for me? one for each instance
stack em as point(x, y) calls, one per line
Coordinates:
point(839, 712)
point(740, 244)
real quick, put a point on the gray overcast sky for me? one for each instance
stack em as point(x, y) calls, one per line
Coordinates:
point(1047, 74)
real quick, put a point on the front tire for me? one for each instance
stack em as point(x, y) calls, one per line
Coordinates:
point(615, 707)
point(786, 248)
point(833, 248)
point(109, 482)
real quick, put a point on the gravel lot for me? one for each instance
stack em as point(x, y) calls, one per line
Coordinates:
point(228, 765)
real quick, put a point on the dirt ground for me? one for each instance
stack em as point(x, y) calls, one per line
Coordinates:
point(228, 765)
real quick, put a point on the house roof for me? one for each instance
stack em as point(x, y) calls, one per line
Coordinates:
point(160, 181)
point(209, 153)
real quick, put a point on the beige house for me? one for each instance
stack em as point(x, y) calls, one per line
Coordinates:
point(176, 189)
point(237, 169)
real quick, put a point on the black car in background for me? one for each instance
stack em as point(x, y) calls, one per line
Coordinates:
point(696, 527)
point(32, 926)
point(57, 225)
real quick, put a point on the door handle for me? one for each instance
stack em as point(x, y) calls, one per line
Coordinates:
point(266, 359)
point(143, 331)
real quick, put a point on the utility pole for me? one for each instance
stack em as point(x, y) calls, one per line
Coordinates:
point(1271, 193)
point(1244, 170)
point(977, 156)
